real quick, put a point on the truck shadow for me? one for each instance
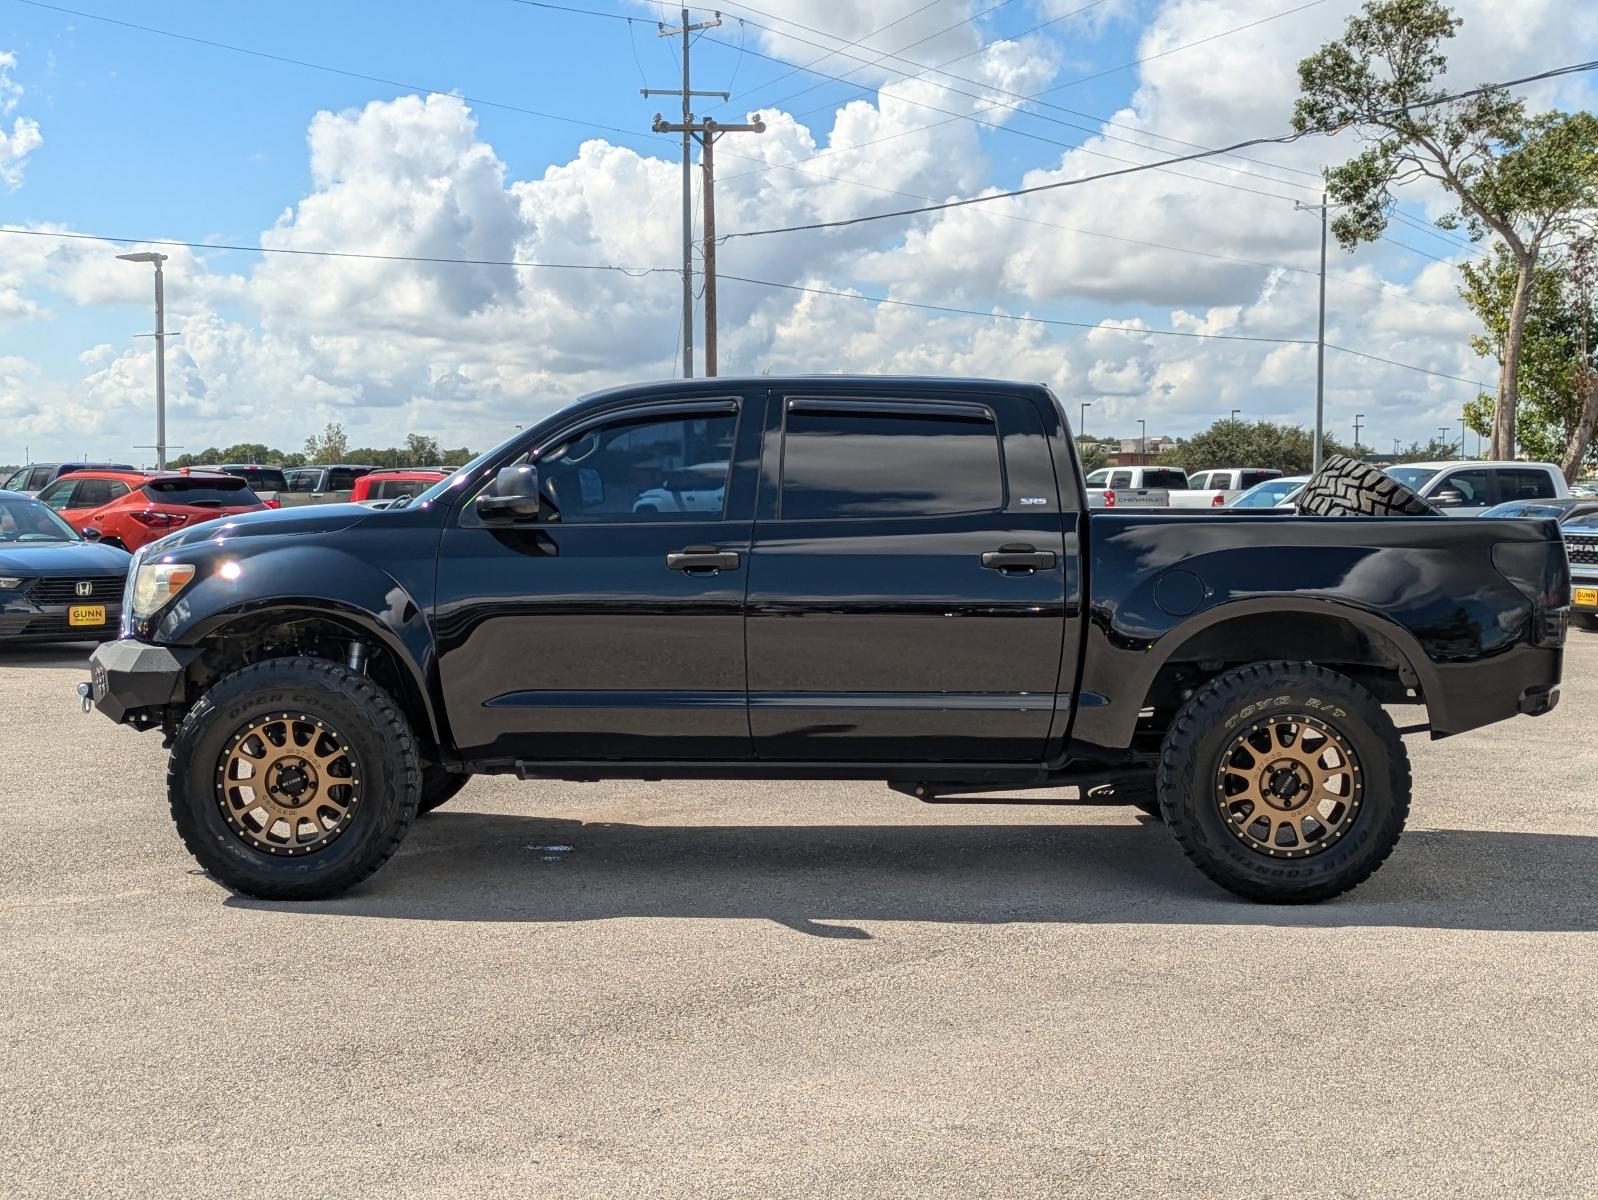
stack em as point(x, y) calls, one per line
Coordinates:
point(47, 654)
point(824, 880)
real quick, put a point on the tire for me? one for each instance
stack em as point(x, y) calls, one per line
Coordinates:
point(1215, 746)
point(1585, 620)
point(1346, 487)
point(439, 787)
point(344, 831)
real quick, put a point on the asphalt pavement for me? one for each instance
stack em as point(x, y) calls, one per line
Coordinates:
point(794, 990)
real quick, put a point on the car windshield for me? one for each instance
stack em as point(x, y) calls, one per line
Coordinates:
point(1414, 478)
point(30, 521)
point(1525, 510)
point(1268, 494)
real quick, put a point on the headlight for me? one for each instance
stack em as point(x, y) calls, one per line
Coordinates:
point(9, 583)
point(156, 583)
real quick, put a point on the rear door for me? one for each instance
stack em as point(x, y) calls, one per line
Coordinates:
point(908, 581)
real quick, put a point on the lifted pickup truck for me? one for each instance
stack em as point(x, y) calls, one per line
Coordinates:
point(902, 583)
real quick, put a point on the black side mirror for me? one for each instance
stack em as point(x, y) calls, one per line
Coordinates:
point(91, 534)
point(512, 496)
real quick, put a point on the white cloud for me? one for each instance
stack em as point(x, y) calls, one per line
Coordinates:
point(24, 137)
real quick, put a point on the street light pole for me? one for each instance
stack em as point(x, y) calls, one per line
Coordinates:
point(149, 256)
point(1358, 417)
point(1443, 429)
point(1320, 341)
point(1082, 425)
point(1142, 440)
point(1235, 411)
point(1461, 438)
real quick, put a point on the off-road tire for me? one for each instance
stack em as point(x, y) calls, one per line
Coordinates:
point(1346, 487)
point(439, 787)
point(1190, 762)
point(1585, 620)
point(370, 723)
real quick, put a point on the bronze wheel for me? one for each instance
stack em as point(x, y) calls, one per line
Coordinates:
point(1289, 786)
point(288, 783)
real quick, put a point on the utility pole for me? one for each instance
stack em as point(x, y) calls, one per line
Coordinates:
point(1142, 440)
point(1082, 424)
point(686, 31)
point(1443, 429)
point(1320, 340)
point(706, 132)
point(1462, 437)
point(1358, 417)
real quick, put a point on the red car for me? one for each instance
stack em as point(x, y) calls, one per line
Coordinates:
point(392, 484)
point(130, 508)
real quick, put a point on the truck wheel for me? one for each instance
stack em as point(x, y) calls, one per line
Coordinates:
point(1346, 487)
point(439, 786)
point(1284, 782)
point(293, 779)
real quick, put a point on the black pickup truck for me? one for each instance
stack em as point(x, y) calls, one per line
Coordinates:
point(824, 577)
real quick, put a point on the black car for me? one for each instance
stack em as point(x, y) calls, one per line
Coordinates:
point(55, 585)
point(893, 579)
point(35, 477)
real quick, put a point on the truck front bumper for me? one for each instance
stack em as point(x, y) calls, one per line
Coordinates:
point(128, 677)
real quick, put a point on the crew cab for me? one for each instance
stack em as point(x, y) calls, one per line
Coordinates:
point(1463, 489)
point(903, 583)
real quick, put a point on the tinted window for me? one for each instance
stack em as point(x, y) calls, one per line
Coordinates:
point(1120, 479)
point(40, 477)
point(1414, 478)
point(393, 489)
point(59, 494)
point(92, 493)
point(300, 481)
point(623, 471)
point(1097, 479)
point(1164, 477)
point(342, 479)
point(269, 478)
point(1525, 485)
point(1251, 478)
point(199, 492)
point(1476, 487)
point(870, 464)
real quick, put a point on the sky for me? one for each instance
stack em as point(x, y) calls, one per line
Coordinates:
point(513, 133)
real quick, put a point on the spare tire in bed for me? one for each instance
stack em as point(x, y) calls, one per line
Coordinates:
point(1346, 487)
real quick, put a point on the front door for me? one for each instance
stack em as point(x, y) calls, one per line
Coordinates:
point(909, 579)
point(612, 625)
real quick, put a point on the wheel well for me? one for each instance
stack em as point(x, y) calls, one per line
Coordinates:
point(288, 635)
point(1369, 657)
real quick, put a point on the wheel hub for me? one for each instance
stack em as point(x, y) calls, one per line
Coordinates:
point(288, 783)
point(1290, 786)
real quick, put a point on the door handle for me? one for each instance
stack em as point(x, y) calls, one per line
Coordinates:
point(702, 558)
point(1018, 558)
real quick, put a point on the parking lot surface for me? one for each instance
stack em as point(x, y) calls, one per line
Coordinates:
point(751, 989)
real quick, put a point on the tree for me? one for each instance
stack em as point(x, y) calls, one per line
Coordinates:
point(331, 447)
point(1526, 180)
point(1433, 451)
point(1558, 365)
point(421, 451)
point(1093, 455)
point(1289, 449)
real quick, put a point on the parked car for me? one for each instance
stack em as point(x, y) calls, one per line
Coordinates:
point(1569, 508)
point(55, 584)
point(1463, 489)
point(699, 488)
point(1218, 488)
point(132, 509)
point(268, 483)
point(340, 477)
point(1273, 493)
point(35, 477)
point(390, 485)
point(1134, 487)
point(904, 583)
point(1581, 549)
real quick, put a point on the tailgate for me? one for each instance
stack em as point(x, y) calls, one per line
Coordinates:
point(1128, 498)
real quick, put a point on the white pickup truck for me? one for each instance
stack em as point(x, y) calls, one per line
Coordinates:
point(1134, 487)
point(1465, 489)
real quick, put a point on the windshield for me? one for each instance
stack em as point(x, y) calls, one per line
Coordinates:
point(30, 521)
point(1268, 495)
point(1414, 478)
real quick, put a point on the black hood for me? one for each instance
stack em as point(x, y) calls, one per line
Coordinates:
point(311, 519)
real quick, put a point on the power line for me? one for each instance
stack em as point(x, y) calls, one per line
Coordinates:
point(631, 272)
point(1281, 139)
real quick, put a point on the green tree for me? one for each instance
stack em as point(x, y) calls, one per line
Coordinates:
point(1558, 364)
point(1528, 181)
point(331, 446)
point(1433, 451)
point(421, 451)
point(1093, 455)
point(1289, 449)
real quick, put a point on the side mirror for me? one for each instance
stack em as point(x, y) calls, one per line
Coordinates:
point(91, 534)
point(512, 496)
point(1448, 498)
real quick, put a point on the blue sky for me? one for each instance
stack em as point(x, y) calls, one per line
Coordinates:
point(150, 136)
